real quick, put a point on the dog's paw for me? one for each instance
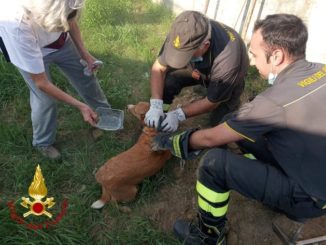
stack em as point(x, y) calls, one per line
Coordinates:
point(98, 204)
point(130, 106)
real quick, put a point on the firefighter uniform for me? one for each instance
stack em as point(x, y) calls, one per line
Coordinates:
point(285, 129)
point(221, 70)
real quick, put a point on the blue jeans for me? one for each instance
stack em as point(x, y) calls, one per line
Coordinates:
point(44, 107)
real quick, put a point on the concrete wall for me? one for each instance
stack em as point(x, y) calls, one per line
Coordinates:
point(241, 15)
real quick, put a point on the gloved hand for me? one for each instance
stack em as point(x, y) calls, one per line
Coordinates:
point(172, 119)
point(178, 144)
point(155, 113)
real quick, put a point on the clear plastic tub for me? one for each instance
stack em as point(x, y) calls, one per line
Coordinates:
point(109, 119)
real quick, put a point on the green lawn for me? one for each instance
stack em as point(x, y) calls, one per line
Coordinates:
point(127, 36)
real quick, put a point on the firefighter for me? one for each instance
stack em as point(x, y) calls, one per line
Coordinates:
point(197, 51)
point(283, 128)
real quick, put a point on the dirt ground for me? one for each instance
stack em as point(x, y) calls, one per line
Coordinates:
point(249, 221)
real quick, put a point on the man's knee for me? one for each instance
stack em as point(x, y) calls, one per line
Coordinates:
point(212, 157)
point(212, 167)
point(175, 80)
point(171, 89)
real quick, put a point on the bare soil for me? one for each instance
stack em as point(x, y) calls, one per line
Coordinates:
point(249, 222)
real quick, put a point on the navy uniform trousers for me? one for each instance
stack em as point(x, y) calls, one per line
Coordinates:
point(261, 179)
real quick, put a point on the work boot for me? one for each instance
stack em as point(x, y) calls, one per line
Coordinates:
point(50, 152)
point(191, 234)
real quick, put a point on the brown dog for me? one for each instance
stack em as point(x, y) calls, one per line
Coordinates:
point(120, 175)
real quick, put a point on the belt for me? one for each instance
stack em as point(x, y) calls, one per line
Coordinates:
point(59, 42)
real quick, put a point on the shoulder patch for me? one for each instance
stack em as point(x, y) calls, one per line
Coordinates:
point(176, 42)
point(313, 78)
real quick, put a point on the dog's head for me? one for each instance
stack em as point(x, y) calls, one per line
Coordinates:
point(139, 110)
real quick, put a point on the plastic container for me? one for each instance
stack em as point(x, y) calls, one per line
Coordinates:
point(109, 119)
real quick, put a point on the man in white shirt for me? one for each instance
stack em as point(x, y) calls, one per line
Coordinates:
point(35, 34)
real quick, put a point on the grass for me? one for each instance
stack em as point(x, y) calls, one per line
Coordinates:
point(127, 36)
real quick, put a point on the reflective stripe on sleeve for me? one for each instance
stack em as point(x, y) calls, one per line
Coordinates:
point(176, 145)
point(246, 137)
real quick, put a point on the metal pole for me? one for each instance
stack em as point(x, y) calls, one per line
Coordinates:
point(248, 19)
point(244, 16)
point(206, 6)
point(216, 8)
point(260, 9)
point(236, 23)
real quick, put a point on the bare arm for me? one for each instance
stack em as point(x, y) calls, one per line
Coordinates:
point(75, 34)
point(199, 107)
point(213, 137)
point(46, 86)
point(157, 80)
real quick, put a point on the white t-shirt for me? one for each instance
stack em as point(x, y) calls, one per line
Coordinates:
point(23, 38)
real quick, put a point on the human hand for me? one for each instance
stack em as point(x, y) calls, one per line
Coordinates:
point(155, 113)
point(88, 114)
point(91, 65)
point(177, 144)
point(90, 59)
point(172, 119)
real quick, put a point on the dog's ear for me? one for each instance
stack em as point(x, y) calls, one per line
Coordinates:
point(131, 109)
point(141, 108)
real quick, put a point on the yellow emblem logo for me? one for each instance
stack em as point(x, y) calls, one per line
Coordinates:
point(176, 42)
point(37, 190)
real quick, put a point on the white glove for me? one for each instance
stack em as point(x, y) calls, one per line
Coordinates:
point(155, 113)
point(171, 122)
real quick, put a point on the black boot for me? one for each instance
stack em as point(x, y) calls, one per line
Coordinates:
point(191, 234)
